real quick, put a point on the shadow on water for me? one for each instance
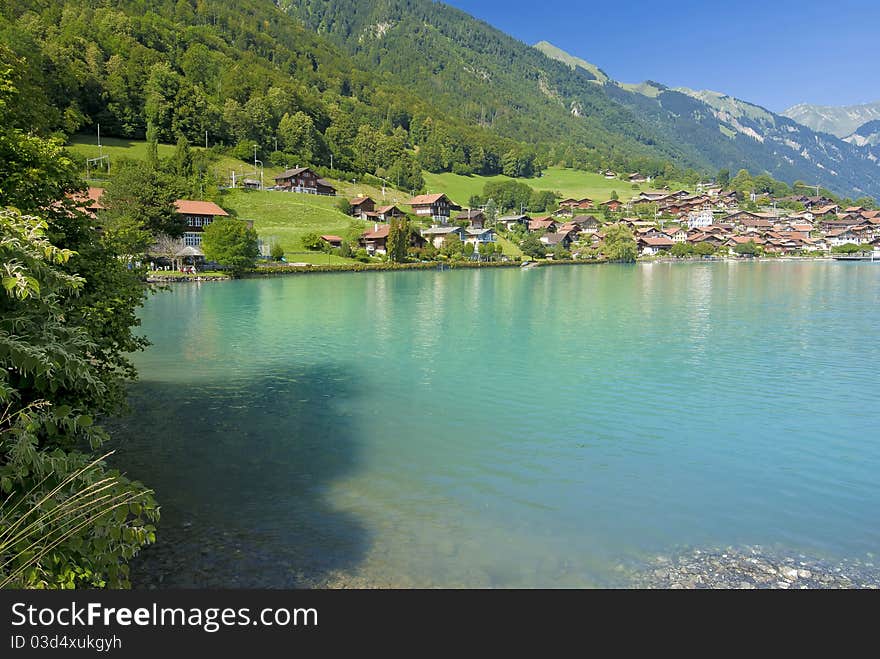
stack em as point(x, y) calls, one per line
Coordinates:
point(242, 470)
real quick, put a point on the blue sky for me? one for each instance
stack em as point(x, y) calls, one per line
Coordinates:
point(775, 53)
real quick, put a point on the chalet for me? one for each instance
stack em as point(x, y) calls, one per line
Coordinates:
point(303, 179)
point(833, 222)
point(568, 203)
point(697, 237)
point(747, 220)
point(551, 240)
point(727, 200)
point(252, 184)
point(678, 235)
point(333, 241)
point(376, 241)
point(510, 222)
point(801, 228)
point(438, 235)
point(385, 213)
point(650, 197)
point(587, 223)
point(584, 203)
point(361, 207)
point(197, 215)
point(855, 235)
point(651, 245)
point(565, 211)
point(733, 241)
point(637, 178)
point(435, 206)
point(569, 228)
point(542, 224)
point(823, 211)
point(477, 237)
point(474, 218)
point(613, 205)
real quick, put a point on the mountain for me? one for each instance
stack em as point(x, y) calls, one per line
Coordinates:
point(726, 132)
point(389, 87)
point(461, 61)
point(468, 68)
point(551, 51)
point(867, 135)
point(839, 121)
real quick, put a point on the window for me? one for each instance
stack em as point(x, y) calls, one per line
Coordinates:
point(192, 239)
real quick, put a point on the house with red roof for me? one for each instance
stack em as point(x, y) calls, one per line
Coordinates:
point(650, 245)
point(197, 215)
point(376, 241)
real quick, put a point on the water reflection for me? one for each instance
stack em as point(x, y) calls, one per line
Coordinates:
point(241, 468)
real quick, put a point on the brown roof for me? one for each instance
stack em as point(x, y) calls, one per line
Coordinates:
point(381, 232)
point(385, 209)
point(658, 242)
point(91, 200)
point(190, 207)
point(291, 172)
point(357, 201)
point(425, 199)
point(540, 224)
point(330, 238)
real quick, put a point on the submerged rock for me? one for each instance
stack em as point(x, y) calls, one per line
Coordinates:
point(752, 567)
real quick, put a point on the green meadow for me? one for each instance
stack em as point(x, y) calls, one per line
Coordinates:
point(284, 217)
point(567, 182)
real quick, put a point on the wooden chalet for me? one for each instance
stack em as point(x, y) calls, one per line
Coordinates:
point(474, 218)
point(385, 213)
point(435, 206)
point(361, 207)
point(303, 179)
point(197, 215)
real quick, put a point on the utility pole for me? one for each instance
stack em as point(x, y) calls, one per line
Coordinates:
point(331, 160)
point(101, 153)
point(206, 140)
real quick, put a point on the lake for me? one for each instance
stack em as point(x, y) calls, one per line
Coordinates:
point(556, 427)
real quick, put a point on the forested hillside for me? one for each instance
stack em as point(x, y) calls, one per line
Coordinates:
point(391, 88)
point(493, 79)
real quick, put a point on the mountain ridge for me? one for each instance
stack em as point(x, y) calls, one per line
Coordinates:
point(840, 121)
point(755, 135)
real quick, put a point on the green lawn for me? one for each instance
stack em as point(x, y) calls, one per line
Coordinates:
point(86, 146)
point(568, 182)
point(510, 248)
point(285, 216)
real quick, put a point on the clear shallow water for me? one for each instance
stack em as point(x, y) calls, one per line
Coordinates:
point(503, 428)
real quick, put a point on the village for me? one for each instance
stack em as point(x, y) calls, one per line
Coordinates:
point(662, 223)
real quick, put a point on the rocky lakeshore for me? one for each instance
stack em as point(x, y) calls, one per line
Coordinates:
point(754, 567)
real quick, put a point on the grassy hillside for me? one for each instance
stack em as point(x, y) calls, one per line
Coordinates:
point(285, 216)
point(86, 146)
point(567, 182)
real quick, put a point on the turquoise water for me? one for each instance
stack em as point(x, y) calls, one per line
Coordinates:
point(551, 427)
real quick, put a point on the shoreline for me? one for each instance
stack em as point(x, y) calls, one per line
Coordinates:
point(289, 270)
point(749, 567)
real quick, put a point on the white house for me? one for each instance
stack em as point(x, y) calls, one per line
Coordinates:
point(700, 219)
